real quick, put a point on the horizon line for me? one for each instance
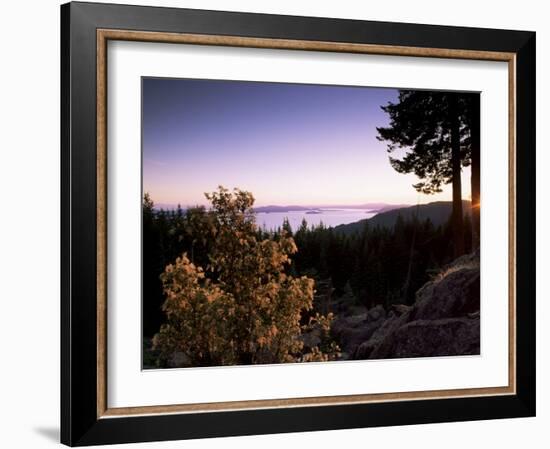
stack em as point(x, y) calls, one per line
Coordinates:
point(311, 206)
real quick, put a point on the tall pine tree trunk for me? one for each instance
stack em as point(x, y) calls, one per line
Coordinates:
point(457, 215)
point(475, 147)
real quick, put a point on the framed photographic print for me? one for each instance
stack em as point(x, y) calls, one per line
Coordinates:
point(277, 224)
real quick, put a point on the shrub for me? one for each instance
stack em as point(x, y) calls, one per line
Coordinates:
point(241, 308)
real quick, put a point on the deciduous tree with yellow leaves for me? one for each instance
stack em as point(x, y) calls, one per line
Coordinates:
point(241, 308)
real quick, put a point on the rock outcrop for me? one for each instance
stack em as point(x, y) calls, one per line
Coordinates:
point(443, 321)
point(350, 331)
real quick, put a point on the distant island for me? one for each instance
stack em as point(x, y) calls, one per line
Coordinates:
point(313, 209)
point(370, 207)
point(381, 214)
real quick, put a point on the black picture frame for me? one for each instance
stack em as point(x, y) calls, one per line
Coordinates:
point(80, 424)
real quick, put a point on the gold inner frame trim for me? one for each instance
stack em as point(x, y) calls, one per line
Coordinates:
point(104, 35)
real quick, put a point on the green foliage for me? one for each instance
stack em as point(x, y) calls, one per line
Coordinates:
point(421, 124)
point(220, 253)
point(439, 134)
point(372, 260)
point(375, 260)
point(240, 307)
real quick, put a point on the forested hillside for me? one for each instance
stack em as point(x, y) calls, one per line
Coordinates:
point(374, 266)
point(437, 212)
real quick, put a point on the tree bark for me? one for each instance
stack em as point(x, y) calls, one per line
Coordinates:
point(457, 215)
point(475, 156)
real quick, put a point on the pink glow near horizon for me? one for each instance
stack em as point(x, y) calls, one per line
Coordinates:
point(287, 144)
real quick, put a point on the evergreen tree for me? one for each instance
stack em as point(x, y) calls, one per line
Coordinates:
point(380, 265)
point(151, 269)
point(472, 107)
point(286, 227)
point(436, 130)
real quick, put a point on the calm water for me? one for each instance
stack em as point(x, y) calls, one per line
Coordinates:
point(329, 217)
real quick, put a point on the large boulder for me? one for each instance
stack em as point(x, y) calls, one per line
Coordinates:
point(444, 319)
point(454, 293)
point(376, 313)
point(380, 336)
point(430, 338)
point(351, 331)
point(399, 309)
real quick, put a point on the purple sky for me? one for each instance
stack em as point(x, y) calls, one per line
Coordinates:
point(286, 143)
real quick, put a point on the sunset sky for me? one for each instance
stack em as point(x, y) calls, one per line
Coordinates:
point(289, 144)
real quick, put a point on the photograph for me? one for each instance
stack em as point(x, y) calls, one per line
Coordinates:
point(288, 222)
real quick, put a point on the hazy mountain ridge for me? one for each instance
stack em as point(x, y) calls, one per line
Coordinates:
point(438, 212)
point(379, 207)
point(374, 207)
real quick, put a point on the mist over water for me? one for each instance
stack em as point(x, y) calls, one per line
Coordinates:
point(329, 217)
